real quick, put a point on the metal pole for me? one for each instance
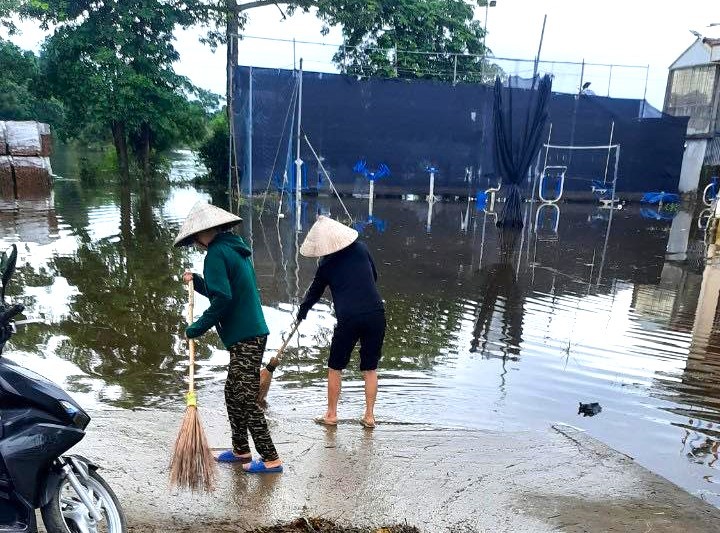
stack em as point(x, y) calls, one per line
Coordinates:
point(609, 81)
point(250, 139)
point(582, 76)
point(484, 58)
point(230, 117)
point(298, 160)
point(607, 161)
point(294, 62)
point(455, 72)
point(372, 198)
point(431, 196)
point(647, 75)
point(537, 58)
point(487, 7)
point(428, 223)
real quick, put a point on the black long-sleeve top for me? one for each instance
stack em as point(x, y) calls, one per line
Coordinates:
point(351, 276)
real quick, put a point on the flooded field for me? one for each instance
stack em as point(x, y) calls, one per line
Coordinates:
point(485, 330)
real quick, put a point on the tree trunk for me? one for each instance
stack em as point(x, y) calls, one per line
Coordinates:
point(121, 149)
point(144, 153)
point(125, 217)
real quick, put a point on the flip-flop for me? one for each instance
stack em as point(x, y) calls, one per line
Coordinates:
point(258, 467)
point(321, 420)
point(229, 457)
point(367, 425)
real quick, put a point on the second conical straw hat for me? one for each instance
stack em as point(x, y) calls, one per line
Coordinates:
point(326, 237)
point(204, 216)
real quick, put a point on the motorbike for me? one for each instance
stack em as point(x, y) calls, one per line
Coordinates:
point(39, 423)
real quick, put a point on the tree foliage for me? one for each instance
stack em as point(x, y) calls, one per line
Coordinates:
point(387, 38)
point(21, 94)
point(110, 63)
point(215, 150)
point(432, 39)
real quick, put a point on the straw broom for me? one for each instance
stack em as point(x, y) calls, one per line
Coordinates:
point(266, 374)
point(193, 465)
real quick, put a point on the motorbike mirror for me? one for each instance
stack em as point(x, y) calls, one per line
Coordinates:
point(7, 265)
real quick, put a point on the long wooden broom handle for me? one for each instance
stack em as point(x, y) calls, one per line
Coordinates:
point(287, 341)
point(191, 342)
point(275, 360)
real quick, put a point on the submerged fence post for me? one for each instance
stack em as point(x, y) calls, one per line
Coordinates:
point(455, 71)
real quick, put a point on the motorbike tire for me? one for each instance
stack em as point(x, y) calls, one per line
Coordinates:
point(59, 519)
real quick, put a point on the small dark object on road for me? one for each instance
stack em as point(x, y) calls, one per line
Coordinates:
point(589, 409)
point(320, 525)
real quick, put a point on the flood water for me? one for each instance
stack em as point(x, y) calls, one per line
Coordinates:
point(485, 330)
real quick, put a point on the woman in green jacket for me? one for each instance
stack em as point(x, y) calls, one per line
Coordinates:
point(236, 313)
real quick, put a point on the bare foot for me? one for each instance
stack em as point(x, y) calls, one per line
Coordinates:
point(326, 420)
point(368, 421)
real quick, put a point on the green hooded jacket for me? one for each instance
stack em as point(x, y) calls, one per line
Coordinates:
point(229, 283)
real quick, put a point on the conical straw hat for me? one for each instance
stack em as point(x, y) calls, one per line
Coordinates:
point(326, 237)
point(204, 216)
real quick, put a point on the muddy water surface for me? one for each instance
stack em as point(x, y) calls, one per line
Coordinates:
point(486, 330)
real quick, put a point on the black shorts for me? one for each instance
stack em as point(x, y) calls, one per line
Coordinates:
point(369, 329)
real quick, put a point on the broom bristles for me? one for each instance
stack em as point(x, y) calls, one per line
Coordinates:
point(193, 465)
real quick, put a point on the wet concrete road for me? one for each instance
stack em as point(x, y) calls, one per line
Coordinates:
point(438, 479)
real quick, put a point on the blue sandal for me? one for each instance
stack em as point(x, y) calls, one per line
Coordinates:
point(229, 457)
point(258, 467)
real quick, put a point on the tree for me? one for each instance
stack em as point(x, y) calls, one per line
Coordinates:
point(432, 39)
point(435, 39)
point(111, 64)
point(21, 95)
point(214, 151)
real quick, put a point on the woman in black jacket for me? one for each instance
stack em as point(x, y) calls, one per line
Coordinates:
point(348, 269)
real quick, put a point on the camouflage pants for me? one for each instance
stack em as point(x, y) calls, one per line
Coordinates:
point(241, 391)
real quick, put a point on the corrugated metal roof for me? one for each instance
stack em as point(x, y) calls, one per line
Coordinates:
point(712, 152)
point(698, 53)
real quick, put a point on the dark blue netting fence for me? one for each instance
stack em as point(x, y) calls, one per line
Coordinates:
point(412, 125)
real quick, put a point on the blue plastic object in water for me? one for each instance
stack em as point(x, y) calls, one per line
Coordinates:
point(651, 214)
point(660, 197)
point(481, 200)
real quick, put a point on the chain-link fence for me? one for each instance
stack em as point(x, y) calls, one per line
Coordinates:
point(614, 80)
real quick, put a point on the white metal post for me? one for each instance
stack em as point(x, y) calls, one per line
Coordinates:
point(298, 160)
point(372, 198)
point(431, 196)
point(428, 224)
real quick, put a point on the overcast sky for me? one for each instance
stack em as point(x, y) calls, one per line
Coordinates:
point(628, 32)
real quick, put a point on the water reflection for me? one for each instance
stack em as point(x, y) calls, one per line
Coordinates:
point(499, 292)
point(486, 329)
